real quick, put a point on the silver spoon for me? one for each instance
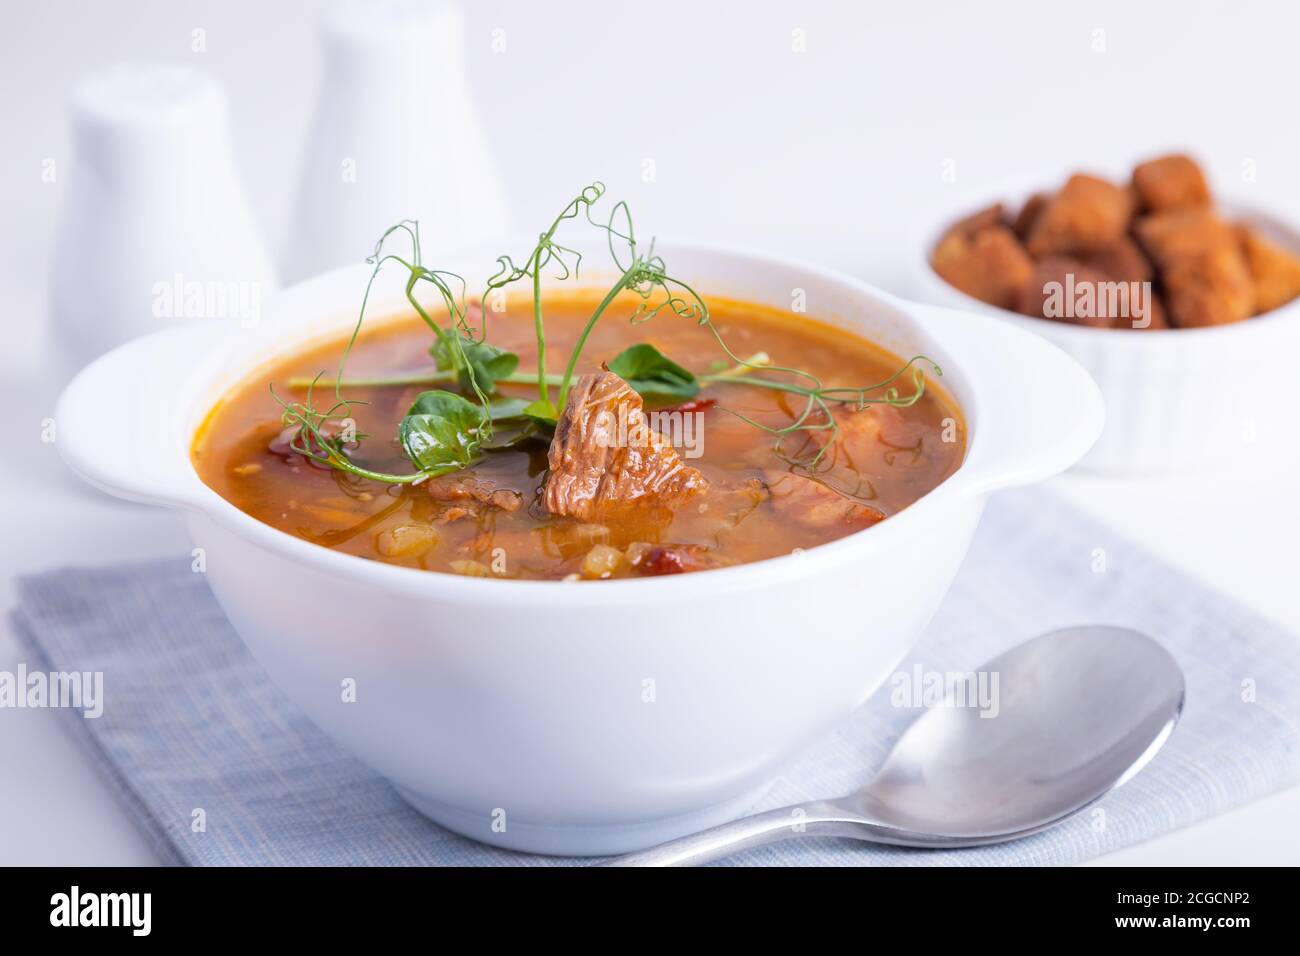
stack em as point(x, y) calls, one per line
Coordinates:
point(1079, 712)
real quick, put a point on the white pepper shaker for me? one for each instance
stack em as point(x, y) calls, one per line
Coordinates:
point(156, 229)
point(395, 136)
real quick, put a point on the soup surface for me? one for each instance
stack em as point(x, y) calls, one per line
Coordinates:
point(745, 501)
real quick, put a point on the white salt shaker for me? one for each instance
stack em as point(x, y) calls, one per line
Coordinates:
point(156, 229)
point(395, 136)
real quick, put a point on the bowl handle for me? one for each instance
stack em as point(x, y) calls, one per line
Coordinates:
point(121, 422)
point(1036, 411)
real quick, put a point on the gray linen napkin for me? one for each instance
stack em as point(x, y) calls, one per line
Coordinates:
point(192, 723)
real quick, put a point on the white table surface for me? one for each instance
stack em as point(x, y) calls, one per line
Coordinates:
point(825, 156)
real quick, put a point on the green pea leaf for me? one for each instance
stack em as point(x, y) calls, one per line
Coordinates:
point(442, 430)
point(490, 364)
point(542, 411)
point(504, 409)
point(652, 373)
point(512, 432)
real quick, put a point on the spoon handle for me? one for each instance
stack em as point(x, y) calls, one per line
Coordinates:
point(816, 818)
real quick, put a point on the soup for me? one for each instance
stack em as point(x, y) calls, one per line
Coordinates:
point(632, 480)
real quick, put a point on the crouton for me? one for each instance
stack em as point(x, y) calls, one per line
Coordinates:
point(1202, 265)
point(1084, 259)
point(1159, 316)
point(1122, 260)
point(1028, 215)
point(1088, 214)
point(1274, 270)
point(1178, 234)
point(1211, 288)
point(1170, 182)
point(979, 221)
point(1065, 289)
point(992, 265)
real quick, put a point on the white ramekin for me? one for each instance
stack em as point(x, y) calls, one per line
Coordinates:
point(1177, 399)
point(590, 717)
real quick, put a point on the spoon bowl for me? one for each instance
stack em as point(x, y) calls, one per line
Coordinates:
point(1063, 719)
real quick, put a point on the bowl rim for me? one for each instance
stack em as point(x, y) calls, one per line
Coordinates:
point(1014, 190)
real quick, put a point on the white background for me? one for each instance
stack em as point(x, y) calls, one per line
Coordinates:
point(826, 154)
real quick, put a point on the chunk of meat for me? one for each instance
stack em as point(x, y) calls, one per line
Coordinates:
point(1170, 182)
point(1275, 270)
point(1086, 215)
point(464, 487)
point(881, 423)
point(605, 457)
point(332, 428)
point(815, 505)
point(990, 265)
point(876, 430)
point(652, 560)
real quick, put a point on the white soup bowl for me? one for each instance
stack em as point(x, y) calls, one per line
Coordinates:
point(517, 712)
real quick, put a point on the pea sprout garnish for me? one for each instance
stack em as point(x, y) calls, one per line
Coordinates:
point(446, 430)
